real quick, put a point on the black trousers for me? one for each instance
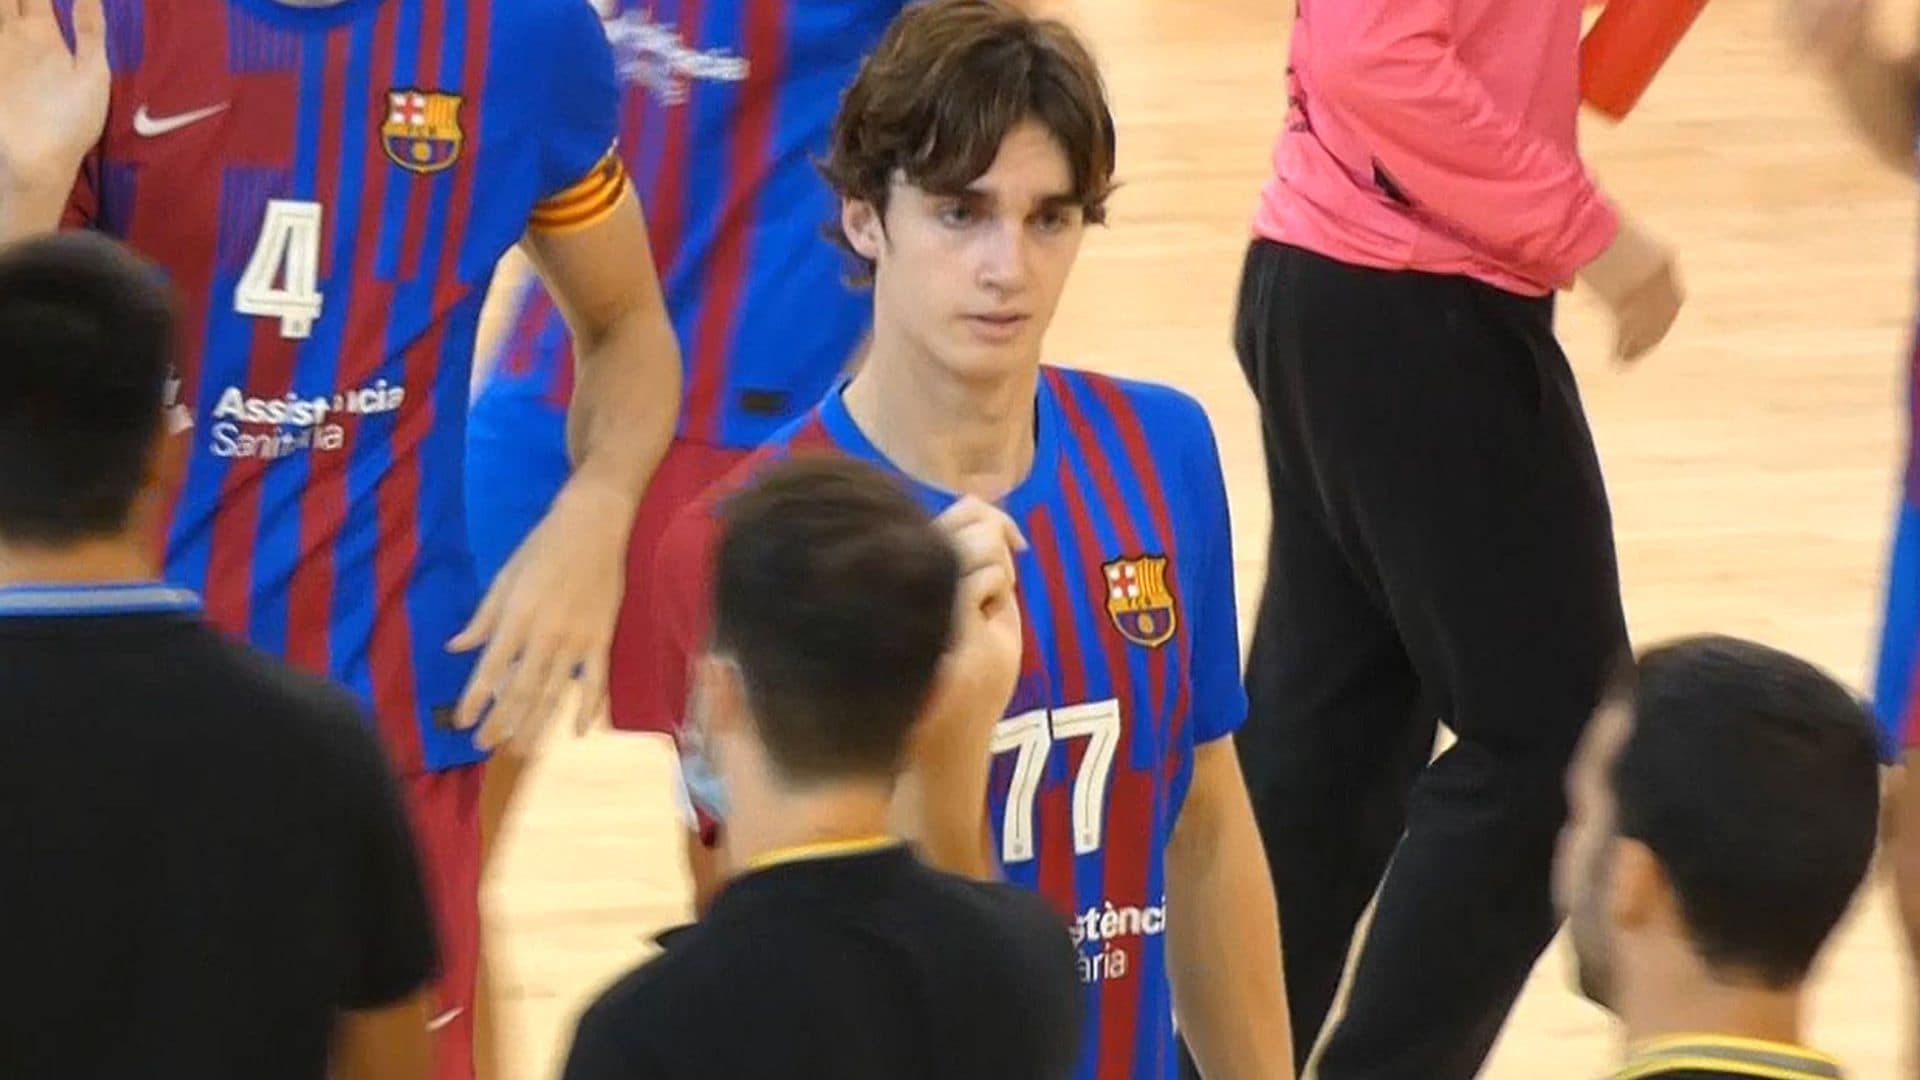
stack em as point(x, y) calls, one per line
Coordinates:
point(1442, 551)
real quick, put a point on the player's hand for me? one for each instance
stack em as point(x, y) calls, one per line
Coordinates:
point(982, 664)
point(1638, 281)
point(56, 99)
point(547, 623)
point(1829, 32)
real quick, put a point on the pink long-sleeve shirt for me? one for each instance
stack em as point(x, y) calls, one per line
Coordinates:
point(1437, 135)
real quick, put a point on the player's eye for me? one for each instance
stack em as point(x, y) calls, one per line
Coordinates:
point(1055, 220)
point(956, 215)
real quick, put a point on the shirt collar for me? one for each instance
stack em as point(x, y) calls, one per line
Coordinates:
point(1034, 489)
point(89, 598)
point(1727, 1055)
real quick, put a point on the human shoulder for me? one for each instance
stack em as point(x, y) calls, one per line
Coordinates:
point(1017, 965)
point(1152, 431)
point(671, 1000)
point(693, 527)
point(1166, 415)
point(252, 678)
point(550, 24)
point(313, 722)
point(1020, 912)
point(1006, 926)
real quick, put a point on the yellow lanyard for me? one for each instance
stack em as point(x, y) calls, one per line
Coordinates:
point(824, 849)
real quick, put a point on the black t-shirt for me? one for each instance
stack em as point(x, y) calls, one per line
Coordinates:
point(854, 967)
point(202, 854)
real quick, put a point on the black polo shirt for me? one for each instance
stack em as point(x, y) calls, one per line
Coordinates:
point(857, 966)
point(202, 854)
point(1715, 1057)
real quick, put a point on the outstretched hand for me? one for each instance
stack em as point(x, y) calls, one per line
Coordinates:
point(56, 97)
point(547, 624)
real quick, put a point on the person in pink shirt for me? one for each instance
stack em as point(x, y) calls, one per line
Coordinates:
point(1442, 546)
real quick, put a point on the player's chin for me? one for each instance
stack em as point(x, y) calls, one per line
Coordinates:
point(993, 354)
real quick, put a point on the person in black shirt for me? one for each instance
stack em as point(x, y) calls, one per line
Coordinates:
point(1724, 805)
point(834, 952)
point(204, 871)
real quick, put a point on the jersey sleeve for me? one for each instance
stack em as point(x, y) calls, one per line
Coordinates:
point(1219, 696)
point(581, 176)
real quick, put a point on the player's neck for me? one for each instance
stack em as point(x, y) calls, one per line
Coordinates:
point(105, 560)
point(773, 822)
point(1681, 997)
point(972, 436)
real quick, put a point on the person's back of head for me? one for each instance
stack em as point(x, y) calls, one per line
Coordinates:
point(289, 838)
point(85, 333)
point(833, 605)
point(1726, 797)
point(833, 609)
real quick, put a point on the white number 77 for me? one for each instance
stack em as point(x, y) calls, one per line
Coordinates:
point(1030, 736)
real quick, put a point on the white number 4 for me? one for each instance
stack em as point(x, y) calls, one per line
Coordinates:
point(280, 279)
point(1030, 736)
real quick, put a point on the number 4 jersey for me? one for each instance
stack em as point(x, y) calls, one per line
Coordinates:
point(329, 188)
point(1132, 659)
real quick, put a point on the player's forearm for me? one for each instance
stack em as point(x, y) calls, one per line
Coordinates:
point(1223, 938)
point(626, 401)
point(1878, 93)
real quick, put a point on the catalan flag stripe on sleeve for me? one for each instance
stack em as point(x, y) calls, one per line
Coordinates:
point(586, 202)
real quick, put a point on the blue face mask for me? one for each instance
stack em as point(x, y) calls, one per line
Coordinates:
point(698, 771)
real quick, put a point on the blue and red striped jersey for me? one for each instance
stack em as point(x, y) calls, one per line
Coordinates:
point(1132, 659)
point(329, 188)
point(1896, 688)
point(726, 106)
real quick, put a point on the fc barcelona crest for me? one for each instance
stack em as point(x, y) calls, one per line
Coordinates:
point(422, 131)
point(1139, 600)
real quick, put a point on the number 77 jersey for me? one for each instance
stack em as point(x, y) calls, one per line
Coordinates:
point(1132, 659)
point(328, 189)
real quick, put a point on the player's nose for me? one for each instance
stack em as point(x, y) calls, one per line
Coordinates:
point(1005, 258)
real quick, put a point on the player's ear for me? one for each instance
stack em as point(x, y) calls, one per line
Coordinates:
point(721, 696)
point(1640, 891)
point(161, 469)
point(166, 457)
point(866, 233)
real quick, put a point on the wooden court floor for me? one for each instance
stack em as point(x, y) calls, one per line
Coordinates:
point(1752, 460)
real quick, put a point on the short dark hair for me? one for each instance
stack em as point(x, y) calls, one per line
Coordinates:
point(86, 330)
point(947, 83)
point(833, 593)
point(1753, 777)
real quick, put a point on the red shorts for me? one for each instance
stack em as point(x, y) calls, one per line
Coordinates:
point(687, 470)
point(444, 809)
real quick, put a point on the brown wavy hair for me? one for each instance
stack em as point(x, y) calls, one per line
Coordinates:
point(941, 91)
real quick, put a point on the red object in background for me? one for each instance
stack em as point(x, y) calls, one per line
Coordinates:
point(1626, 47)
